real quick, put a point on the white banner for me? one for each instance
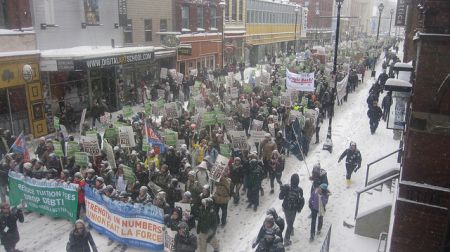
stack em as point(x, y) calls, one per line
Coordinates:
point(341, 87)
point(300, 82)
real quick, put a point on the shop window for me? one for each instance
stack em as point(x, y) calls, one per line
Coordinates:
point(200, 18)
point(128, 32)
point(185, 17)
point(213, 17)
point(148, 27)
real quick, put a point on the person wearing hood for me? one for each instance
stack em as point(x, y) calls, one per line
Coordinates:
point(184, 240)
point(276, 169)
point(269, 237)
point(143, 196)
point(80, 238)
point(253, 181)
point(163, 177)
point(207, 226)
point(352, 161)
point(185, 168)
point(278, 220)
point(184, 153)
point(317, 204)
point(40, 150)
point(221, 196)
point(174, 192)
point(90, 177)
point(106, 173)
point(211, 152)
point(318, 177)
point(201, 175)
point(173, 160)
point(293, 202)
point(237, 177)
point(99, 184)
point(39, 170)
point(171, 221)
point(9, 233)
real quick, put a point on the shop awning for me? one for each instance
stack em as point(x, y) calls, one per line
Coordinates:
point(86, 57)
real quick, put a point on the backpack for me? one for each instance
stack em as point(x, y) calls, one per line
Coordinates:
point(294, 201)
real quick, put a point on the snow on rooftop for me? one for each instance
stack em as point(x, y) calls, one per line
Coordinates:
point(397, 83)
point(81, 52)
point(18, 53)
point(16, 32)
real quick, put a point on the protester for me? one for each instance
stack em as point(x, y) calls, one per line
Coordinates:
point(221, 197)
point(207, 226)
point(184, 240)
point(9, 233)
point(269, 236)
point(374, 113)
point(352, 161)
point(317, 204)
point(80, 239)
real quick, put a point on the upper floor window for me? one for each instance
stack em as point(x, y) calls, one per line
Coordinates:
point(185, 17)
point(148, 28)
point(128, 32)
point(200, 19)
point(213, 17)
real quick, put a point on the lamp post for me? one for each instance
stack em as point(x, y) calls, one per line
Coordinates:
point(297, 10)
point(222, 5)
point(390, 22)
point(380, 10)
point(328, 145)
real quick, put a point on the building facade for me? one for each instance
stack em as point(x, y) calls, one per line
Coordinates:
point(234, 30)
point(200, 23)
point(15, 14)
point(272, 28)
point(421, 208)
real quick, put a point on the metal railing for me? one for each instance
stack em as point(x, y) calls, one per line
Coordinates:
point(376, 161)
point(367, 188)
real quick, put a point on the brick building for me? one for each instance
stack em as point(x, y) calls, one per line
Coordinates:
point(421, 210)
point(200, 23)
point(15, 14)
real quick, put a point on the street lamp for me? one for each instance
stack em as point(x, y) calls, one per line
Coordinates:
point(390, 22)
point(380, 10)
point(328, 145)
point(297, 10)
point(222, 5)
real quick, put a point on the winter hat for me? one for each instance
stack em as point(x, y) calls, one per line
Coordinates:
point(270, 219)
point(191, 173)
point(324, 186)
point(273, 212)
point(78, 175)
point(80, 221)
point(100, 179)
point(109, 188)
point(295, 179)
point(187, 194)
point(27, 166)
point(90, 170)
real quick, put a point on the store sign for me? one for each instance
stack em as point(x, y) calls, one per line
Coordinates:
point(27, 73)
point(65, 65)
point(185, 51)
point(119, 60)
point(400, 14)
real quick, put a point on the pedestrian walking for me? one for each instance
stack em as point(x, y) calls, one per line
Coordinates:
point(80, 239)
point(184, 241)
point(269, 237)
point(317, 204)
point(293, 202)
point(276, 169)
point(207, 226)
point(9, 233)
point(352, 161)
point(374, 113)
point(386, 104)
point(253, 181)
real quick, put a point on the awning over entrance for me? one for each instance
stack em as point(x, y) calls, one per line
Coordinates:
point(87, 57)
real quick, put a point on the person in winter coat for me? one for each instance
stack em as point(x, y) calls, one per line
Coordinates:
point(293, 202)
point(317, 203)
point(386, 105)
point(318, 177)
point(143, 197)
point(352, 161)
point(163, 177)
point(91, 178)
point(171, 221)
point(237, 177)
point(174, 193)
point(221, 197)
point(106, 173)
point(278, 220)
point(253, 181)
point(184, 241)
point(267, 147)
point(207, 226)
point(374, 113)
point(9, 233)
point(78, 179)
point(201, 175)
point(269, 237)
point(80, 239)
point(173, 161)
point(276, 169)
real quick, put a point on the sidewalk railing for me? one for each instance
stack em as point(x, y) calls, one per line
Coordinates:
point(370, 187)
point(376, 161)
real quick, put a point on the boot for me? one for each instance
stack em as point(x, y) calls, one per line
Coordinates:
point(271, 191)
point(349, 182)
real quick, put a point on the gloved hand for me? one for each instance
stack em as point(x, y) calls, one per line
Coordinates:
point(254, 245)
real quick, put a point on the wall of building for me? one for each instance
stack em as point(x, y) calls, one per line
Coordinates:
point(17, 42)
point(156, 10)
point(193, 15)
point(69, 15)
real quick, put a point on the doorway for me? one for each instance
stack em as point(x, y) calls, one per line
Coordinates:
point(14, 110)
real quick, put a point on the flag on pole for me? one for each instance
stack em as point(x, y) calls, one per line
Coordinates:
point(20, 146)
point(154, 138)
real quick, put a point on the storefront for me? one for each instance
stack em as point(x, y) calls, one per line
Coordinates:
point(205, 52)
point(78, 78)
point(234, 47)
point(21, 98)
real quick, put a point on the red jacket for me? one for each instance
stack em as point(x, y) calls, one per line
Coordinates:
point(81, 185)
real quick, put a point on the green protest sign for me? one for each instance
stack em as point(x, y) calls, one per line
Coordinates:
point(275, 101)
point(91, 133)
point(72, 147)
point(111, 135)
point(209, 118)
point(220, 117)
point(148, 108)
point(145, 145)
point(81, 158)
point(170, 137)
point(127, 111)
point(58, 200)
point(225, 150)
point(58, 149)
point(247, 89)
point(128, 174)
point(56, 122)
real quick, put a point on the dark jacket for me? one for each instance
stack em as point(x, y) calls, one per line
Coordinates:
point(185, 244)
point(353, 157)
point(254, 175)
point(374, 113)
point(80, 242)
point(10, 221)
point(286, 194)
point(206, 220)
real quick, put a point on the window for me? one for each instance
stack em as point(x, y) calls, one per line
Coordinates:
point(227, 11)
point(241, 9)
point(212, 17)
point(148, 27)
point(162, 28)
point(128, 32)
point(234, 10)
point(185, 17)
point(200, 21)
